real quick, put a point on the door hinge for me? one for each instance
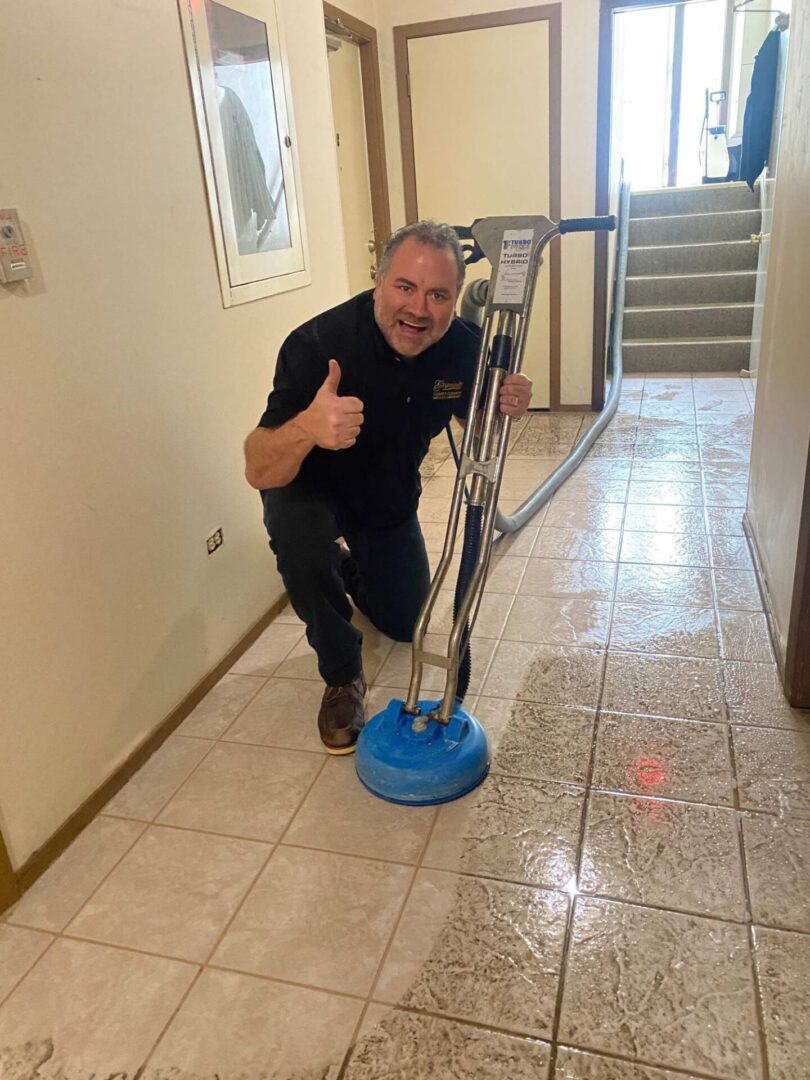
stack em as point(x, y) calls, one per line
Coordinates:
point(408, 83)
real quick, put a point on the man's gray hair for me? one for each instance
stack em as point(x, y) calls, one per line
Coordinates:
point(434, 234)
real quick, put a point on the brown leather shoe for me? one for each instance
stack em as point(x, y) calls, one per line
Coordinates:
point(342, 715)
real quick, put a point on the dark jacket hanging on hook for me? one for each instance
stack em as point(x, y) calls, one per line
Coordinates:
point(758, 120)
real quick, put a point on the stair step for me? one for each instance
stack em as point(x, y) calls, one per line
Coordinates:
point(694, 200)
point(689, 354)
point(689, 321)
point(735, 286)
point(682, 228)
point(691, 258)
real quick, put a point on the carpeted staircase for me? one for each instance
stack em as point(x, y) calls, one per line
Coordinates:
point(691, 277)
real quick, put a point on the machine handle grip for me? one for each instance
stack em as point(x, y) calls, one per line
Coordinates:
point(588, 224)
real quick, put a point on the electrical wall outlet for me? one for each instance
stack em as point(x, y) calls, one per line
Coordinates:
point(214, 541)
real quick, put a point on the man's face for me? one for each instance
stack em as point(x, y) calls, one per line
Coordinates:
point(414, 302)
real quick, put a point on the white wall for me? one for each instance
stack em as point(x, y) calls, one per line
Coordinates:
point(782, 415)
point(126, 390)
point(580, 24)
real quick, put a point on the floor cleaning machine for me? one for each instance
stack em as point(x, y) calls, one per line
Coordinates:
point(421, 752)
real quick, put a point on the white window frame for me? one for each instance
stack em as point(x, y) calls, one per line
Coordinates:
point(250, 276)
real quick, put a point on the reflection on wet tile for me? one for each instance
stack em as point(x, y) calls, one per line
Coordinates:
point(340, 815)
point(19, 951)
point(596, 545)
point(588, 516)
point(675, 759)
point(663, 686)
point(584, 489)
point(173, 893)
point(667, 492)
point(673, 549)
point(237, 1026)
point(731, 552)
point(551, 620)
point(545, 673)
point(679, 989)
point(317, 917)
point(248, 791)
point(725, 520)
point(478, 950)
point(666, 448)
point(655, 629)
point(518, 830)
point(783, 966)
point(777, 856)
point(754, 696)
point(54, 899)
point(668, 854)
point(489, 622)
point(737, 589)
point(578, 1065)
point(680, 586)
point(726, 494)
point(538, 742)
point(745, 636)
point(642, 517)
point(773, 770)
point(677, 472)
point(410, 1046)
point(219, 708)
point(571, 578)
point(722, 473)
point(97, 1010)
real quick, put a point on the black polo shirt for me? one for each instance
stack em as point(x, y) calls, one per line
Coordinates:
point(406, 403)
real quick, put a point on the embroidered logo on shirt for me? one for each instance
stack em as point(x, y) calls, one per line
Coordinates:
point(447, 391)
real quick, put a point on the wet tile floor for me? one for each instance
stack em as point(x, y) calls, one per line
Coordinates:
point(627, 896)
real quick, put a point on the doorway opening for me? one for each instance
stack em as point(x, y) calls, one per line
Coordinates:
point(354, 75)
point(665, 59)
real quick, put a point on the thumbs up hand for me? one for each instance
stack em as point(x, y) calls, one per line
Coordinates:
point(331, 421)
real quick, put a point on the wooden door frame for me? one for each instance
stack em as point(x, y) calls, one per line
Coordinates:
point(797, 647)
point(365, 37)
point(552, 14)
point(607, 9)
point(9, 887)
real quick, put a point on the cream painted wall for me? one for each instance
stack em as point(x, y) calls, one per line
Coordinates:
point(580, 24)
point(126, 391)
point(782, 414)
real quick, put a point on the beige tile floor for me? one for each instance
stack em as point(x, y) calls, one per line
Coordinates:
point(627, 897)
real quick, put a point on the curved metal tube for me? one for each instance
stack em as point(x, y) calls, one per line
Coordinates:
point(510, 523)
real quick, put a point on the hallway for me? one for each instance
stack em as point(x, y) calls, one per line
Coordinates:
point(627, 897)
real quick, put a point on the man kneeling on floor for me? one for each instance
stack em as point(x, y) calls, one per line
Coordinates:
point(359, 392)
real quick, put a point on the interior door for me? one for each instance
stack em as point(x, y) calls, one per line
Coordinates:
point(352, 155)
point(481, 140)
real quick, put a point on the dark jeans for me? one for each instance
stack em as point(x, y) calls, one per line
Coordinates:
point(387, 574)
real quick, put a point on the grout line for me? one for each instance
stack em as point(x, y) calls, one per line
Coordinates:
point(229, 922)
point(567, 940)
point(112, 869)
point(5, 997)
point(762, 1031)
point(376, 977)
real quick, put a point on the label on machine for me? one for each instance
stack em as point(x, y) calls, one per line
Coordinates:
point(513, 266)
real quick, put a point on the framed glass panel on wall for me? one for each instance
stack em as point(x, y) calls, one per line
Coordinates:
point(241, 91)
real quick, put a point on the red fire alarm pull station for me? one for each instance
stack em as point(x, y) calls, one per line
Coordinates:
point(15, 260)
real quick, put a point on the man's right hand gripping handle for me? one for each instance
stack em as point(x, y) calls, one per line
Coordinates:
point(331, 421)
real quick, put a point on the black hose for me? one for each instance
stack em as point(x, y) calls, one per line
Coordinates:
point(469, 557)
